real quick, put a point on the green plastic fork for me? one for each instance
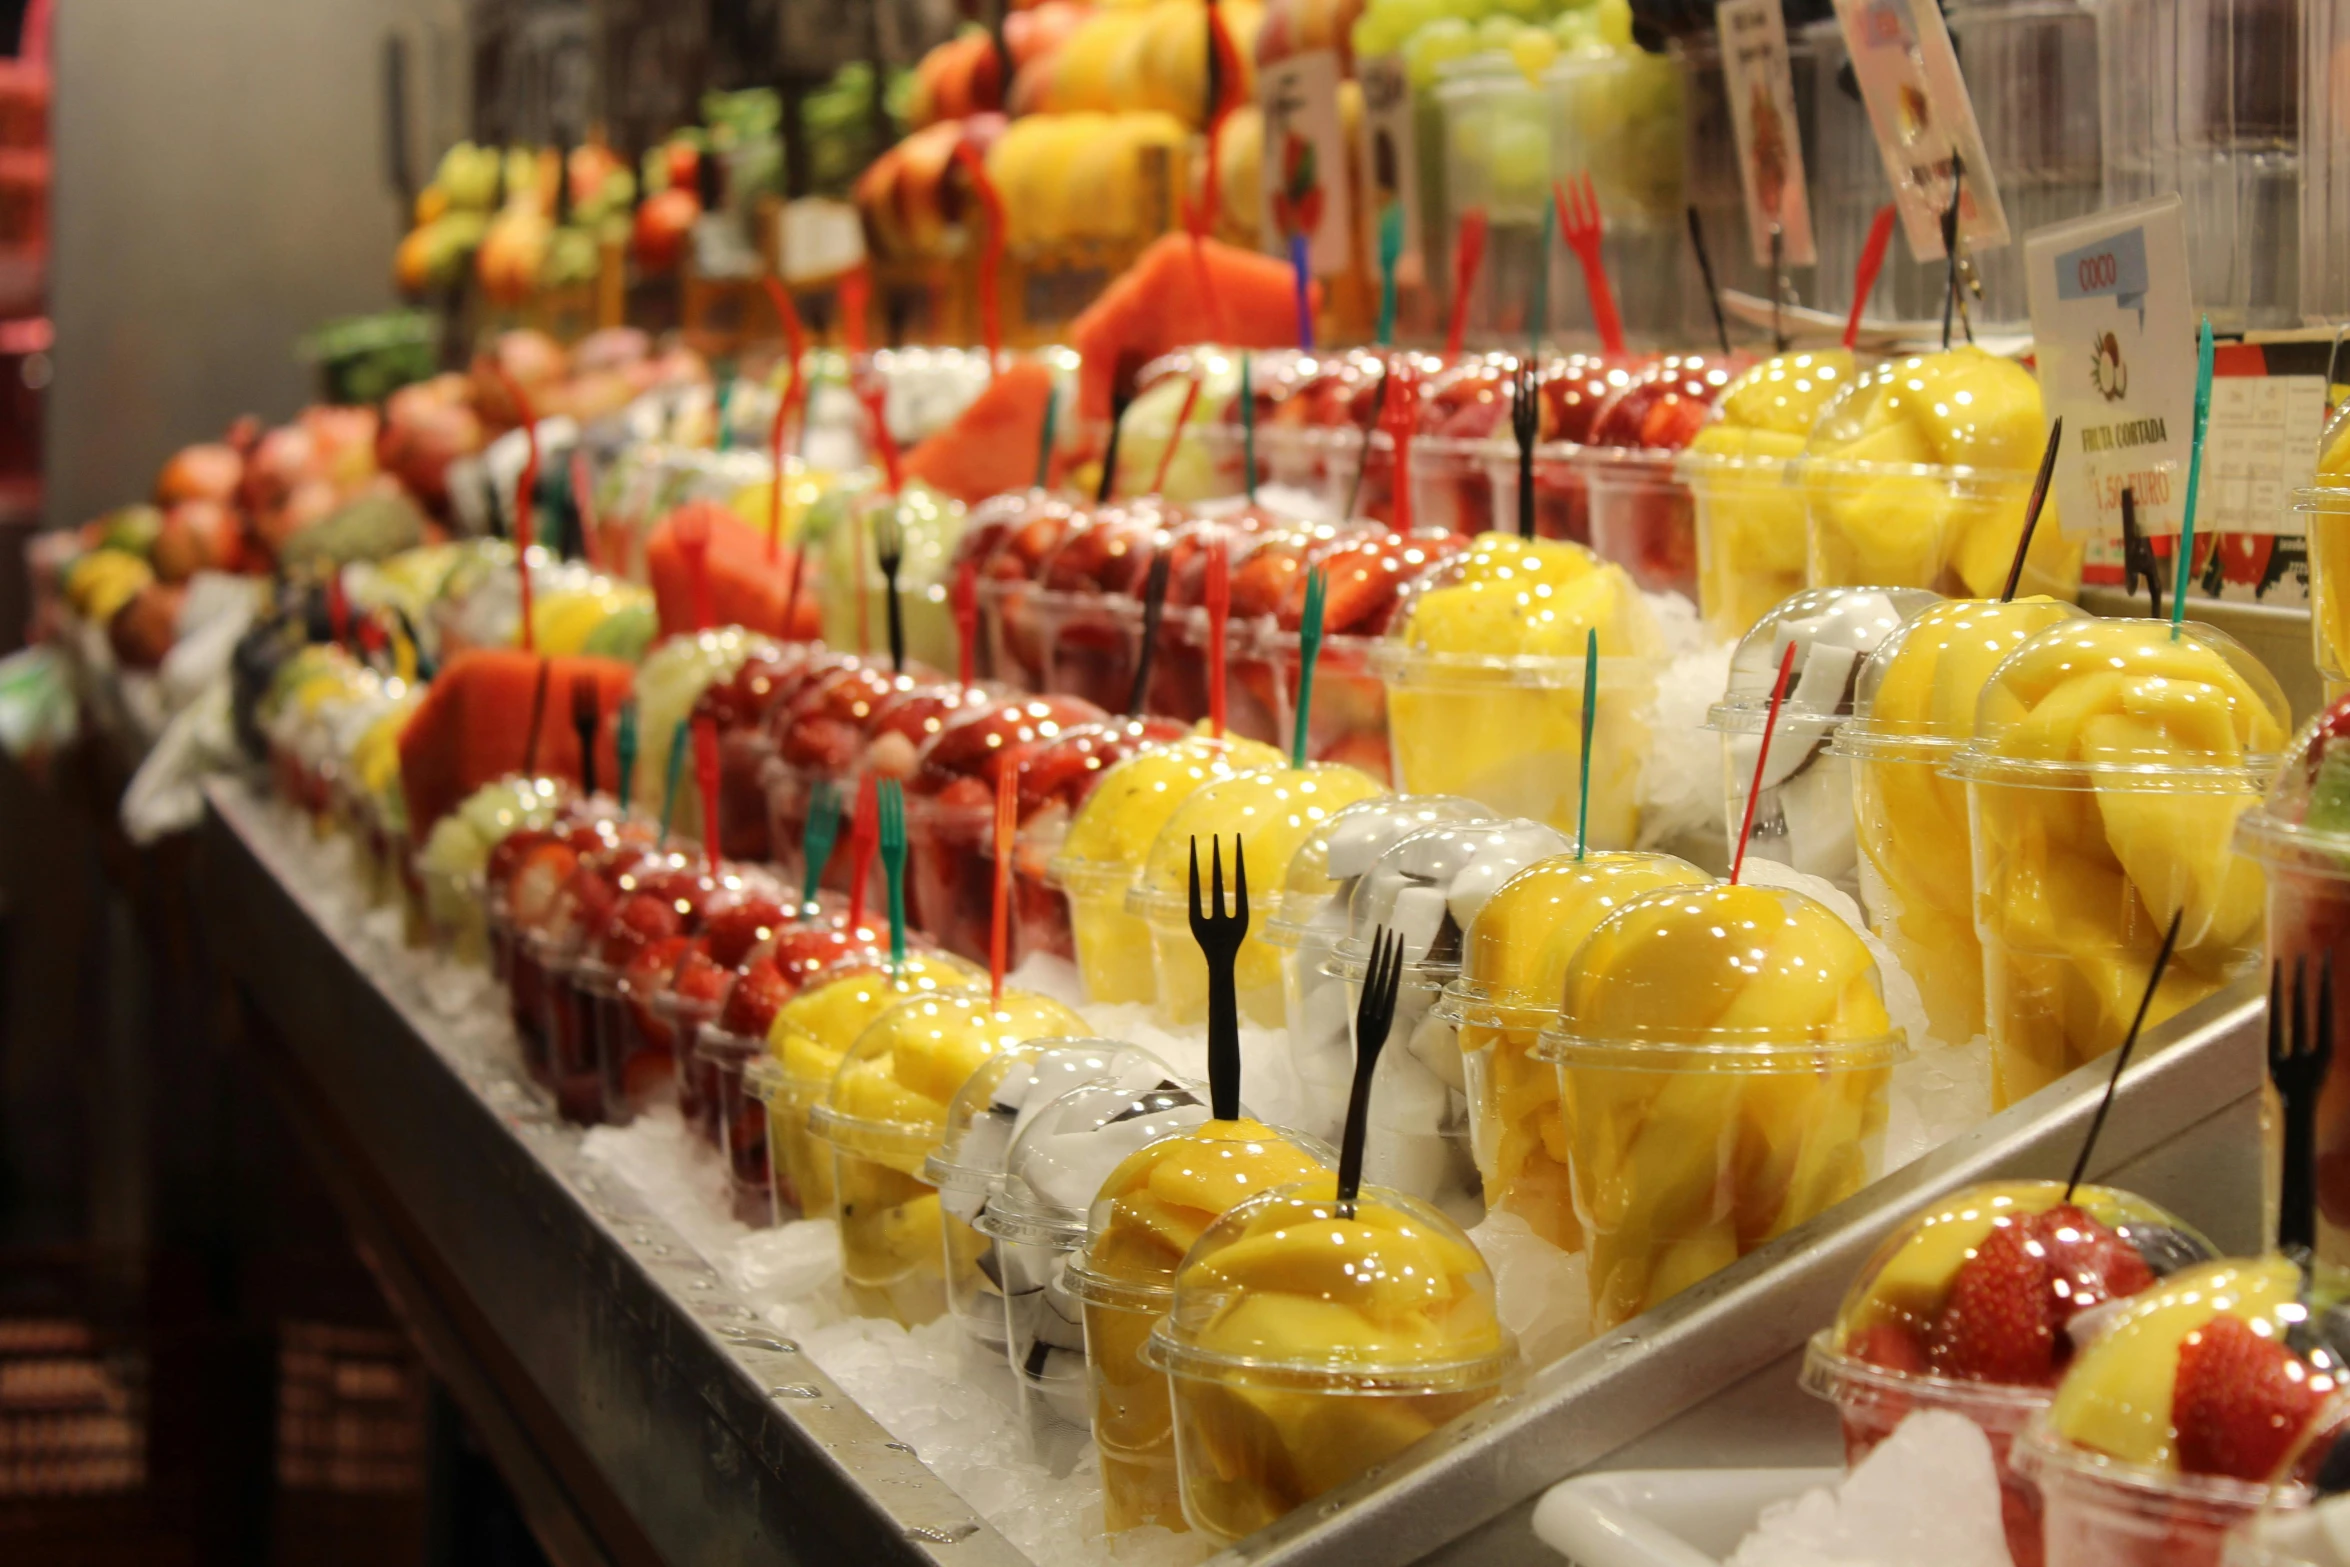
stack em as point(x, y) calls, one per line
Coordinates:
point(816, 840)
point(893, 862)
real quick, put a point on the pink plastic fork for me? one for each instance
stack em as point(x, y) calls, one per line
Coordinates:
point(1581, 227)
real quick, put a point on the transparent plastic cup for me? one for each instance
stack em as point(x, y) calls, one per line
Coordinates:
point(1427, 889)
point(1513, 965)
point(1309, 919)
point(1109, 839)
point(1913, 707)
point(883, 1114)
point(1642, 517)
point(1271, 811)
point(806, 1041)
point(2109, 767)
point(1057, 1162)
point(2293, 1527)
point(1292, 1367)
point(1724, 1056)
point(582, 1003)
point(2133, 1462)
point(1908, 1335)
point(2325, 522)
point(1143, 1219)
point(1750, 537)
point(2298, 836)
point(1920, 475)
point(1485, 677)
point(1056, 781)
point(1010, 1089)
point(1804, 816)
point(742, 1122)
point(1750, 519)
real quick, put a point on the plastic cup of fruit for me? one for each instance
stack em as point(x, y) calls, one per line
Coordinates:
point(1057, 1162)
point(1093, 577)
point(1007, 1093)
point(2180, 1422)
point(2300, 835)
point(1723, 1056)
point(1920, 474)
point(883, 1114)
point(1179, 671)
point(1142, 1220)
point(1367, 575)
point(1804, 816)
point(1272, 812)
point(2109, 766)
point(1928, 1321)
point(1108, 841)
point(1268, 580)
point(2325, 522)
point(1642, 516)
point(576, 977)
point(724, 1048)
point(1484, 664)
point(1308, 920)
point(805, 1044)
point(1750, 520)
point(929, 527)
point(1427, 889)
point(1513, 968)
point(1056, 780)
point(1309, 1340)
point(950, 814)
point(1007, 586)
point(2294, 1528)
point(1913, 708)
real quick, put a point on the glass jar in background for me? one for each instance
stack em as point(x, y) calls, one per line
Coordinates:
point(2204, 97)
point(2325, 159)
point(1620, 117)
point(1497, 156)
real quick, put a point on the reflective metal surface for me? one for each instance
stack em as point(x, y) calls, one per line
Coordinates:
point(590, 1327)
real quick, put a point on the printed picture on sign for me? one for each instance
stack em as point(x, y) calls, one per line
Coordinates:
point(2106, 371)
point(1298, 200)
point(1770, 151)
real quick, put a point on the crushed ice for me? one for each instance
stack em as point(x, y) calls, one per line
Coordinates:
point(1927, 1497)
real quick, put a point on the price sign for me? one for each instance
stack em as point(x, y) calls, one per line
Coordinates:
point(1924, 120)
point(2114, 335)
point(1761, 89)
point(1304, 170)
point(1390, 159)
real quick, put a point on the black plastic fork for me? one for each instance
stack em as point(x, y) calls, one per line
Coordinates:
point(1525, 424)
point(889, 552)
point(1219, 936)
point(2299, 1051)
point(1374, 1020)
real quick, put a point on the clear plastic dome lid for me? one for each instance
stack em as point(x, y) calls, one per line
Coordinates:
point(1430, 887)
point(1918, 691)
point(2128, 703)
point(2164, 1387)
point(1272, 811)
point(814, 1029)
point(1060, 776)
point(1112, 832)
point(1312, 908)
point(1833, 632)
point(1295, 1281)
point(1007, 1092)
point(1063, 1152)
point(2305, 819)
point(1507, 605)
point(1750, 978)
point(890, 1094)
point(1960, 408)
point(1942, 1294)
point(1515, 955)
point(1781, 398)
point(1162, 1197)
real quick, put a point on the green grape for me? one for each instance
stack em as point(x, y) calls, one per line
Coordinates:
point(1470, 10)
point(1615, 22)
point(1577, 31)
point(1446, 38)
point(1496, 32)
point(1522, 10)
point(1372, 35)
point(1533, 50)
point(1520, 162)
point(1409, 16)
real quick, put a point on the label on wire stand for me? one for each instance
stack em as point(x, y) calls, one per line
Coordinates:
point(1761, 89)
point(1918, 105)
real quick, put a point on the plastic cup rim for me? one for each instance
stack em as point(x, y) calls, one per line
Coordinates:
point(1566, 1049)
point(1827, 1371)
point(2039, 1453)
point(1168, 1351)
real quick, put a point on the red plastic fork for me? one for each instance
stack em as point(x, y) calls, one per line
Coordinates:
point(1581, 227)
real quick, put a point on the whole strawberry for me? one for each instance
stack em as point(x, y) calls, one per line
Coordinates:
point(2241, 1401)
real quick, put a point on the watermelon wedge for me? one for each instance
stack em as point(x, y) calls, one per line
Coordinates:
point(472, 726)
point(1156, 305)
point(990, 449)
point(745, 590)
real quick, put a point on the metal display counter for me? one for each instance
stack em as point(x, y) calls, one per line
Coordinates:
point(644, 1412)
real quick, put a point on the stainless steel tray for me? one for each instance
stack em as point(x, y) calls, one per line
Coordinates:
point(641, 1396)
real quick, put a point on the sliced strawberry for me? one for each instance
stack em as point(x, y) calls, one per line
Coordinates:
point(1891, 1345)
point(739, 927)
point(2088, 1265)
point(2000, 1322)
point(756, 997)
point(2242, 1400)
